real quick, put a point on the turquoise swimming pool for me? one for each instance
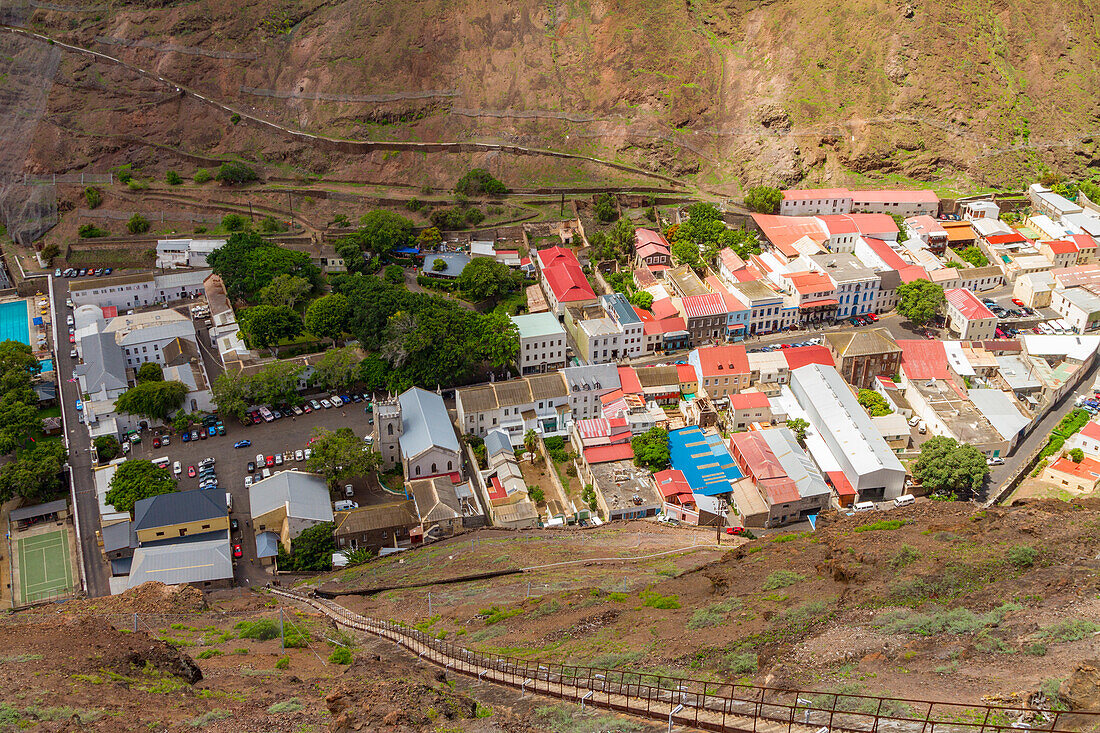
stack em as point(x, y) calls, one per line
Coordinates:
point(13, 322)
point(47, 365)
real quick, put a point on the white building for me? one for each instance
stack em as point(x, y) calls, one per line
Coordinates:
point(865, 458)
point(981, 209)
point(137, 291)
point(969, 317)
point(143, 336)
point(1045, 202)
point(813, 201)
point(542, 343)
point(599, 340)
point(174, 253)
point(586, 385)
point(539, 402)
point(1079, 306)
point(619, 309)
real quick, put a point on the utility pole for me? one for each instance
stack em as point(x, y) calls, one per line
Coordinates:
point(722, 510)
point(282, 636)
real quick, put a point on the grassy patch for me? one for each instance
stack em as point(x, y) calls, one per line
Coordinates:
point(208, 653)
point(782, 579)
point(209, 717)
point(561, 719)
point(1022, 557)
point(494, 614)
point(340, 655)
point(614, 660)
point(292, 705)
point(906, 555)
point(954, 621)
point(712, 615)
point(14, 658)
point(1068, 630)
point(545, 609)
point(652, 599)
point(887, 525)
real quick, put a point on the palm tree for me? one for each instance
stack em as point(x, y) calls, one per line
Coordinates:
point(530, 442)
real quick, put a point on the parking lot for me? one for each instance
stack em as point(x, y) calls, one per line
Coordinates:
point(283, 436)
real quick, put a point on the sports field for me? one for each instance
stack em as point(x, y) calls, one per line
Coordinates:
point(44, 567)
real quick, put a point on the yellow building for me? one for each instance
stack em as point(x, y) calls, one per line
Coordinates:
point(180, 514)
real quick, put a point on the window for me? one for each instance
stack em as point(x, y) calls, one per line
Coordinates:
point(448, 465)
point(418, 470)
point(433, 468)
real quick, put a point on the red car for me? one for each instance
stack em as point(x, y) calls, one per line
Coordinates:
point(237, 551)
point(72, 339)
point(156, 442)
point(1018, 302)
point(872, 316)
point(735, 530)
point(190, 472)
point(269, 461)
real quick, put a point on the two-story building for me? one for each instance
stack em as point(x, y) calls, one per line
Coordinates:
point(815, 295)
point(864, 355)
point(542, 343)
point(766, 310)
point(856, 284)
point(968, 316)
point(705, 316)
point(538, 402)
point(652, 249)
point(720, 370)
point(619, 310)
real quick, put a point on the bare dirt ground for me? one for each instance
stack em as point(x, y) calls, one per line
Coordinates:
point(188, 668)
point(938, 601)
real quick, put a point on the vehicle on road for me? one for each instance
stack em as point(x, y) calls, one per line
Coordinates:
point(243, 444)
point(237, 551)
point(994, 461)
point(344, 505)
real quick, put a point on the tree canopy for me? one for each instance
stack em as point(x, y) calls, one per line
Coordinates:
point(381, 232)
point(687, 253)
point(651, 449)
point(150, 371)
point(267, 325)
point(340, 455)
point(313, 549)
point(763, 199)
point(706, 229)
point(135, 480)
point(425, 340)
point(617, 243)
point(107, 448)
point(479, 181)
point(247, 263)
point(919, 300)
point(18, 401)
point(288, 290)
point(874, 403)
point(327, 317)
point(233, 172)
point(485, 278)
point(974, 256)
point(35, 474)
point(798, 426)
point(947, 467)
point(154, 400)
point(605, 208)
point(337, 369)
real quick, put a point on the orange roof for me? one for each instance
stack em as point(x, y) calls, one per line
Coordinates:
point(608, 453)
point(664, 308)
point(783, 231)
point(1083, 241)
point(719, 360)
point(1091, 430)
point(568, 282)
point(841, 484)
point(1061, 246)
point(749, 401)
point(553, 255)
point(672, 482)
point(923, 359)
point(628, 378)
point(811, 282)
point(1088, 468)
point(800, 356)
point(686, 374)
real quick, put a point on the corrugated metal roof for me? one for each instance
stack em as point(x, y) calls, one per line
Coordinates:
point(192, 562)
point(178, 507)
point(424, 423)
point(305, 495)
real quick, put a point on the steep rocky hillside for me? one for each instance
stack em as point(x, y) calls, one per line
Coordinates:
point(729, 92)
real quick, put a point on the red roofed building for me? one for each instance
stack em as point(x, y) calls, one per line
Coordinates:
point(816, 296)
point(845, 494)
point(705, 316)
point(628, 379)
point(689, 380)
point(1003, 239)
point(563, 281)
point(783, 231)
point(759, 464)
point(747, 408)
point(1087, 439)
point(608, 453)
point(679, 502)
point(721, 370)
point(968, 316)
point(652, 249)
point(800, 356)
point(1083, 476)
point(1086, 248)
point(1061, 252)
point(901, 202)
point(922, 360)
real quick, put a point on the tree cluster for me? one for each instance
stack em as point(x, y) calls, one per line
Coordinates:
point(706, 231)
point(18, 400)
point(763, 199)
point(617, 243)
point(248, 263)
point(605, 208)
point(458, 217)
point(651, 449)
point(234, 173)
point(274, 384)
point(135, 480)
point(974, 256)
point(156, 400)
point(949, 468)
point(340, 455)
point(480, 182)
point(920, 301)
point(874, 403)
point(313, 549)
point(485, 278)
point(421, 339)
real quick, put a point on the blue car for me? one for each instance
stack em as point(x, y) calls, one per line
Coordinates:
point(79, 405)
point(186, 437)
point(242, 444)
point(211, 431)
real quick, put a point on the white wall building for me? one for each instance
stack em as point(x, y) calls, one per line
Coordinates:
point(867, 461)
point(586, 385)
point(539, 402)
point(137, 291)
point(174, 253)
point(1078, 306)
point(542, 343)
point(969, 317)
point(143, 336)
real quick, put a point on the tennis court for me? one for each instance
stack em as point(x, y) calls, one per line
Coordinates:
point(44, 566)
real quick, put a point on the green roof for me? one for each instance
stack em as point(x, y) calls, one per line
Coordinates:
point(534, 325)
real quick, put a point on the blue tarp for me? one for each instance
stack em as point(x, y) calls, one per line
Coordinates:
point(37, 320)
point(406, 251)
point(704, 460)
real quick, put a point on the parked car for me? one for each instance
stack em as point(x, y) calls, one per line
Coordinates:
point(1017, 301)
point(873, 316)
point(211, 431)
point(165, 440)
point(234, 525)
point(315, 404)
point(107, 270)
point(335, 400)
point(207, 462)
point(306, 408)
point(278, 459)
point(248, 481)
point(237, 551)
point(177, 468)
point(259, 459)
point(156, 442)
point(994, 461)
point(326, 404)
point(186, 437)
point(269, 461)
point(194, 435)
point(243, 444)
point(251, 467)
point(296, 410)
point(72, 353)
point(57, 272)
point(191, 472)
point(299, 455)
point(356, 398)
point(308, 452)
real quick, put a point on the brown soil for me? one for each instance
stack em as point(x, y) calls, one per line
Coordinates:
point(811, 611)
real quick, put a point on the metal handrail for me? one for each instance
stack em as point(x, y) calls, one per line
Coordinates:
point(724, 706)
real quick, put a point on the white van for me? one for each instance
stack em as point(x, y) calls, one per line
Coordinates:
point(344, 505)
point(914, 420)
point(904, 500)
point(228, 501)
point(1045, 328)
point(161, 462)
point(922, 428)
point(864, 506)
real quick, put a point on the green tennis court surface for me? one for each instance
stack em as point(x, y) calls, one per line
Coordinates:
point(44, 567)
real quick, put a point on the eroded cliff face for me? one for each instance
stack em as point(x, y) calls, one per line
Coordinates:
point(734, 93)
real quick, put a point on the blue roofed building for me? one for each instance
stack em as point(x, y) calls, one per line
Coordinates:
point(619, 310)
point(704, 460)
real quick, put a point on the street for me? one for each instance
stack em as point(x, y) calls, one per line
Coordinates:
point(78, 442)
